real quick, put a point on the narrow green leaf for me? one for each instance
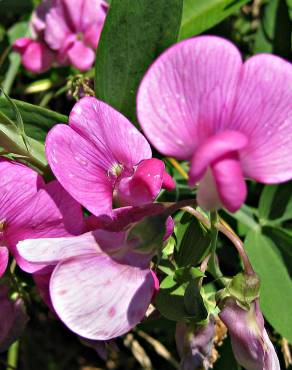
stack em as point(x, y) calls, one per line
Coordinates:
point(276, 284)
point(37, 121)
point(276, 203)
point(134, 34)
point(200, 15)
point(274, 31)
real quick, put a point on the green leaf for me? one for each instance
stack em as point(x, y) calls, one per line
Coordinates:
point(200, 15)
point(274, 31)
point(194, 302)
point(193, 241)
point(276, 203)
point(170, 300)
point(185, 274)
point(37, 121)
point(134, 34)
point(276, 283)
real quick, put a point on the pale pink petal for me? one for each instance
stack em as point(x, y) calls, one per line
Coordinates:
point(99, 298)
point(144, 186)
point(4, 256)
point(57, 29)
point(230, 183)
point(212, 149)
point(52, 250)
point(80, 168)
point(188, 94)
point(109, 131)
point(38, 17)
point(37, 57)
point(93, 13)
point(72, 11)
point(207, 194)
point(263, 113)
point(81, 56)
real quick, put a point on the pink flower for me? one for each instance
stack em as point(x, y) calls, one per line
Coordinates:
point(101, 159)
point(251, 344)
point(65, 32)
point(101, 286)
point(231, 120)
point(29, 208)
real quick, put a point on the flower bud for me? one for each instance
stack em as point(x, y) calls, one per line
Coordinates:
point(15, 319)
point(250, 342)
point(195, 346)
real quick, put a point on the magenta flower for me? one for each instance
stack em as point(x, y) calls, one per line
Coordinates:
point(65, 32)
point(251, 344)
point(29, 208)
point(101, 159)
point(13, 318)
point(231, 120)
point(101, 286)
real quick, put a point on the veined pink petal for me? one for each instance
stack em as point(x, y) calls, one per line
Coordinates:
point(81, 56)
point(4, 256)
point(57, 29)
point(212, 149)
point(80, 168)
point(99, 298)
point(109, 131)
point(52, 250)
point(188, 94)
point(72, 11)
point(144, 186)
point(262, 111)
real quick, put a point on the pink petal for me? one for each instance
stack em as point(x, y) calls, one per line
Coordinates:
point(230, 182)
point(207, 194)
point(92, 34)
point(110, 132)
point(52, 250)
point(38, 17)
point(263, 113)
point(4, 257)
point(169, 227)
point(188, 94)
point(72, 11)
point(212, 149)
point(80, 168)
point(57, 29)
point(37, 57)
point(93, 14)
point(21, 44)
point(100, 306)
point(168, 182)
point(144, 186)
point(81, 56)
point(42, 282)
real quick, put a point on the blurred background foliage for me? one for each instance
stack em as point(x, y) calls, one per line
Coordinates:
point(265, 222)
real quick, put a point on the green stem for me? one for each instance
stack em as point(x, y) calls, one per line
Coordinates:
point(213, 263)
point(12, 356)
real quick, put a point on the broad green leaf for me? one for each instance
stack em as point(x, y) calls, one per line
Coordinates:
point(194, 302)
point(170, 300)
point(185, 274)
point(276, 284)
point(134, 34)
point(37, 121)
point(193, 241)
point(274, 31)
point(200, 15)
point(276, 203)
